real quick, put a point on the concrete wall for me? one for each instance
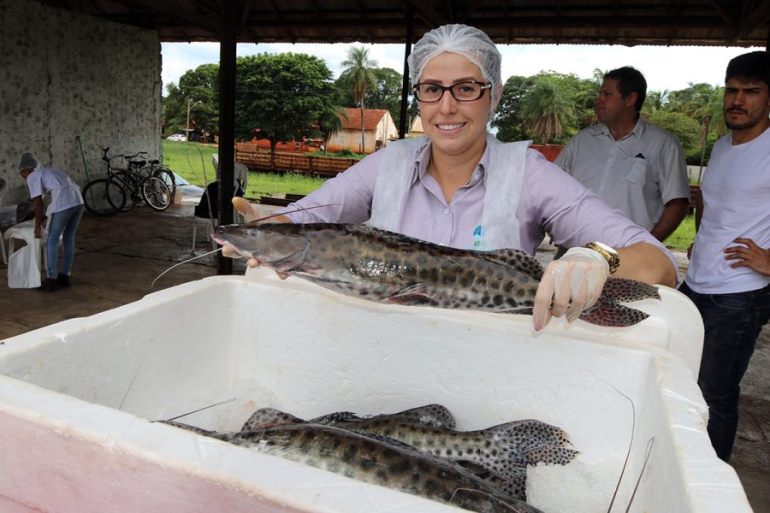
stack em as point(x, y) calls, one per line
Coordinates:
point(64, 75)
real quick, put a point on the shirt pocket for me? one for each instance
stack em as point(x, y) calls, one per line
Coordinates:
point(638, 172)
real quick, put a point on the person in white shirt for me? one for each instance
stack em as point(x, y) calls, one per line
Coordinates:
point(631, 164)
point(63, 215)
point(728, 277)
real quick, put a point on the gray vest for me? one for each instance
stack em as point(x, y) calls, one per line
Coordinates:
point(499, 225)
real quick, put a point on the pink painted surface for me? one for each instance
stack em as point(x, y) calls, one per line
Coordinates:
point(63, 473)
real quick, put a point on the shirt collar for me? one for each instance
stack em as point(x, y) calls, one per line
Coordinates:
point(420, 169)
point(601, 129)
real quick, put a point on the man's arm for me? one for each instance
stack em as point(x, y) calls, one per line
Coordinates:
point(37, 204)
point(673, 214)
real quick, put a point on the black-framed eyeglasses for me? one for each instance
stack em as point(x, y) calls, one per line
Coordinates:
point(469, 91)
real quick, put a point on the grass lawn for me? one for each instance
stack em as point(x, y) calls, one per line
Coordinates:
point(189, 160)
point(683, 236)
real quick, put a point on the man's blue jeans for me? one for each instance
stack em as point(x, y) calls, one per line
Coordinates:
point(64, 224)
point(732, 324)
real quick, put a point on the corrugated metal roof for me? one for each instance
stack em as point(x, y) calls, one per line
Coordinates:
point(626, 22)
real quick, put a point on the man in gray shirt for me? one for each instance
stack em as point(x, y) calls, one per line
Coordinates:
point(634, 166)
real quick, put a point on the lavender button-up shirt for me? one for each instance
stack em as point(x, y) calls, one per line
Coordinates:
point(551, 201)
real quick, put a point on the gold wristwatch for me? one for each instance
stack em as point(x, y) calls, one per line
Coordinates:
point(609, 254)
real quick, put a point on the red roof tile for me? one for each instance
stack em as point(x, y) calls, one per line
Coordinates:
point(351, 118)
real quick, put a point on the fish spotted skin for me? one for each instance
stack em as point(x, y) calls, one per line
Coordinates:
point(381, 462)
point(435, 415)
point(383, 266)
point(498, 454)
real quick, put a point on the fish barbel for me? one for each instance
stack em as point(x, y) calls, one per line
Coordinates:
point(499, 454)
point(376, 460)
point(366, 262)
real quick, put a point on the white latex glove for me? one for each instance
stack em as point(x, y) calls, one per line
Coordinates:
point(569, 285)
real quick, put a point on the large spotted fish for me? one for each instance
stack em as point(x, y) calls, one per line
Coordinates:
point(374, 264)
point(376, 460)
point(499, 454)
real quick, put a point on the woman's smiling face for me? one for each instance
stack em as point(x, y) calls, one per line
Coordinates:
point(455, 128)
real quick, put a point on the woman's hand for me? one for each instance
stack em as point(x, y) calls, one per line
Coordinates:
point(569, 286)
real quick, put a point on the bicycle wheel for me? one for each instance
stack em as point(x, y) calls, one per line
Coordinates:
point(167, 176)
point(156, 193)
point(102, 197)
point(122, 181)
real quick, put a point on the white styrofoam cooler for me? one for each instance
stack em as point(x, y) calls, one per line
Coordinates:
point(77, 399)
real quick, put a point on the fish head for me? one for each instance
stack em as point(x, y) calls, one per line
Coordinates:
point(280, 246)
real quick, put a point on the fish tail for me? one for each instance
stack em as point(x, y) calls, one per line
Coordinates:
point(607, 312)
point(528, 442)
point(624, 290)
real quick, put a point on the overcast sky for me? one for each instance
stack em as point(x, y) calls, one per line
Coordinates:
point(665, 68)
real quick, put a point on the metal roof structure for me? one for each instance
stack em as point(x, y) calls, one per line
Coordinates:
point(624, 22)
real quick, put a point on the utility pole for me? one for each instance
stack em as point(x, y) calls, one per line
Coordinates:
point(190, 106)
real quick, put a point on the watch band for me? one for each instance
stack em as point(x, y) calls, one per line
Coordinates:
point(608, 253)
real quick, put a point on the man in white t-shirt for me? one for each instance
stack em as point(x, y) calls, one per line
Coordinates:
point(63, 215)
point(728, 278)
point(631, 164)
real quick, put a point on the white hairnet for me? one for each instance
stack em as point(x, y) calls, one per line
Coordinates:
point(465, 40)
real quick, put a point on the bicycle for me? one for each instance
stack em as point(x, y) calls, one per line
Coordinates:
point(154, 168)
point(121, 189)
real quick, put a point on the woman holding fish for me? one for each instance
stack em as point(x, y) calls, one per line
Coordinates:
point(460, 187)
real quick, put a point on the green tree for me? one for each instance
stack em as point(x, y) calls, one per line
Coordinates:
point(507, 119)
point(329, 123)
point(703, 103)
point(684, 127)
point(357, 69)
point(198, 88)
point(546, 109)
point(282, 96)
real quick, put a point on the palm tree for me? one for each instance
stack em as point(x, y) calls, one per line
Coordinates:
point(546, 109)
point(358, 69)
point(711, 116)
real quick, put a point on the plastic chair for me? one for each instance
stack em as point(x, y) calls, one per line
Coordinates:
point(202, 211)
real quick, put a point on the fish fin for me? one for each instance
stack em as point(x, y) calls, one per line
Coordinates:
point(624, 290)
point(265, 418)
point(432, 415)
point(550, 455)
point(339, 416)
point(606, 312)
point(515, 258)
point(526, 442)
point(412, 295)
point(514, 486)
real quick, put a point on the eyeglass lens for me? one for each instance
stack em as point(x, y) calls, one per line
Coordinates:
point(462, 91)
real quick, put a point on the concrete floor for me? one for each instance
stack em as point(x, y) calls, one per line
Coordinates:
point(118, 258)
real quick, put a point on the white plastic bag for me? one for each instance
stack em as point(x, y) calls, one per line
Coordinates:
point(24, 266)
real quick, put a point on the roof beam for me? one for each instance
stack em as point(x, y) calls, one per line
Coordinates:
point(753, 20)
point(426, 12)
point(203, 22)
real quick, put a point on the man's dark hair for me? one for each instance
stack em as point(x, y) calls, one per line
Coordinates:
point(630, 80)
point(750, 66)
